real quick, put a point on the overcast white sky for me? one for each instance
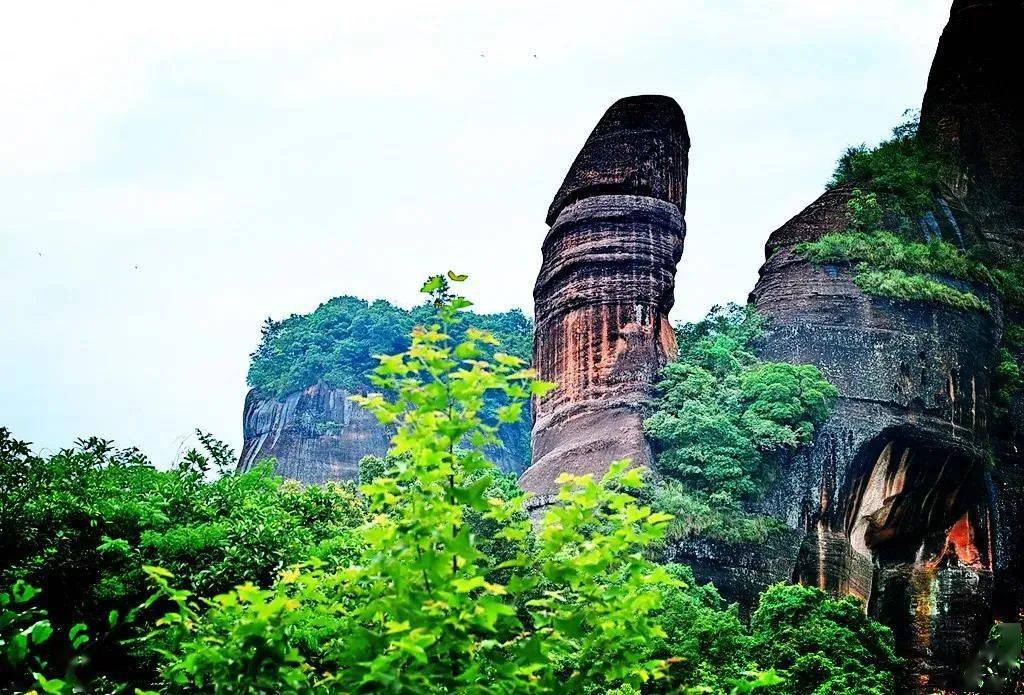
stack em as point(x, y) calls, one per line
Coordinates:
point(175, 172)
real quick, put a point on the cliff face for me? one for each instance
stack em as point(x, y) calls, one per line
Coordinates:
point(892, 496)
point(318, 434)
point(973, 107)
point(909, 497)
point(605, 289)
point(895, 499)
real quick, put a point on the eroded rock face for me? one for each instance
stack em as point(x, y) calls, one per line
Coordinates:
point(893, 494)
point(316, 434)
point(973, 107)
point(605, 289)
point(896, 499)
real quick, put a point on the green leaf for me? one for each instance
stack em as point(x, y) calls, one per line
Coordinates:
point(41, 631)
point(466, 585)
point(17, 648)
point(50, 685)
point(433, 284)
point(542, 388)
point(455, 277)
point(23, 592)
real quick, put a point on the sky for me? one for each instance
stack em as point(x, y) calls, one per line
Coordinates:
point(174, 173)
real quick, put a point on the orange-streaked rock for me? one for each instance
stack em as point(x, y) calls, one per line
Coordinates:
point(605, 289)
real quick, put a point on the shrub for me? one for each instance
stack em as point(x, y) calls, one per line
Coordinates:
point(705, 637)
point(337, 343)
point(80, 524)
point(824, 645)
point(719, 416)
point(904, 171)
point(898, 181)
point(897, 284)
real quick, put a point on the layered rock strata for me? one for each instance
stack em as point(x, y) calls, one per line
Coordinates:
point(909, 495)
point(315, 435)
point(605, 289)
point(893, 494)
point(318, 434)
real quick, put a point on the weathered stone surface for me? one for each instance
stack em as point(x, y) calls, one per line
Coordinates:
point(895, 483)
point(316, 434)
point(894, 498)
point(973, 108)
point(741, 571)
point(605, 289)
point(640, 146)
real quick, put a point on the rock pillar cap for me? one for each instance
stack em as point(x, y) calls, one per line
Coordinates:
point(639, 147)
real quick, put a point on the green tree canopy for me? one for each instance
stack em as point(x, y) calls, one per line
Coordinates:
point(719, 417)
point(336, 343)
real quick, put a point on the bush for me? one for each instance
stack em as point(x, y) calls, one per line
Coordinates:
point(338, 342)
point(890, 265)
point(881, 249)
point(430, 579)
point(80, 524)
point(897, 284)
point(719, 417)
point(896, 182)
point(824, 645)
point(707, 640)
point(905, 171)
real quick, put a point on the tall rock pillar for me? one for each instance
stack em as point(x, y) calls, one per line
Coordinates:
point(605, 289)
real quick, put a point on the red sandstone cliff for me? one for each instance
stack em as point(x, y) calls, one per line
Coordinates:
point(605, 289)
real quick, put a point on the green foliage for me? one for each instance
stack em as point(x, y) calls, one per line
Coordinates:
point(996, 668)
point(891, 265)
point(27, 637)
point(898, 284)
point(337, 343)
point(825, 646)
point(898, 181)
point(881, 249)
point(80, 524)
point(1008, 379)
point(719, 416)
point(706, 639)
point(423, 608)
point(800, 641)
point(904, 171)
point(430, 578)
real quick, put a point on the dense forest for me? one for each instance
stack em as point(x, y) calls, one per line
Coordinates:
point(338, 341)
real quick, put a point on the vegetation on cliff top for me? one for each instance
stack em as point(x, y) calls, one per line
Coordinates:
point(720, 417)
point(397, 587)
point(904, 171)
point(337, 344)
point(896, 183)
point(338, 341)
